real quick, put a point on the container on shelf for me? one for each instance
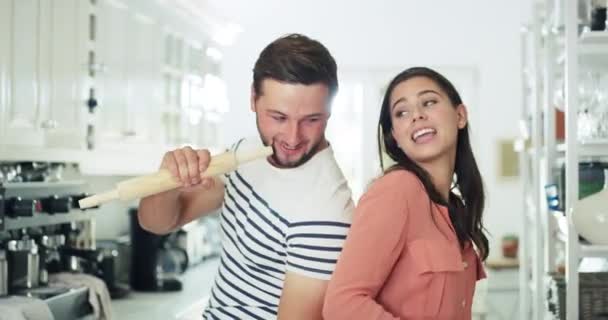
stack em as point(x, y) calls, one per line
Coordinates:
point(590, 215)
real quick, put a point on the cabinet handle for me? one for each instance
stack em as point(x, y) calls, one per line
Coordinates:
point(129, 133)
point(98, 67)
point(49, 124)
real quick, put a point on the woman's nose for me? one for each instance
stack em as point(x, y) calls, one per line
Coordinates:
point(418, 114)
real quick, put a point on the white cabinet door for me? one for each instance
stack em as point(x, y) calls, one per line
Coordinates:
point(145, 79)
point(130, 85)
point(67, 73)
point(5, 62)
point(23, 103)
point(111, 50)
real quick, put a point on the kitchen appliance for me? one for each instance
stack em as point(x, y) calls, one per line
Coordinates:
point(23, 265)
point(155, 263)
point(49, 255)
point(37, 213)
point(598, 18)
point(198, 240)
point(163, 180)
point(3, 274)
point(97, 262)
point(122, 260)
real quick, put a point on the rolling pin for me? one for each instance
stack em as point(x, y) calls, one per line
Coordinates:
point(163, 180)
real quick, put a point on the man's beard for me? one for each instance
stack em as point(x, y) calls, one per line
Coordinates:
point(303, 159)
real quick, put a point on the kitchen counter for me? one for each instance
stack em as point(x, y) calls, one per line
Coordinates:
point(184, 305)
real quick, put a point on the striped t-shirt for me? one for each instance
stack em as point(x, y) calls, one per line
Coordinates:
point(276, 220)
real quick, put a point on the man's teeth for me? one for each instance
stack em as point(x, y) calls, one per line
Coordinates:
point(422, 132)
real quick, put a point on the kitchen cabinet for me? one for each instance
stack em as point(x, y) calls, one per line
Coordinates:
point(66, 70)
point(184, 97)
point(121, 77)
point(40, 73)
point(22, 98)
point(145, 80)
point(172, 87)
point(128, 51)
point(110, 78)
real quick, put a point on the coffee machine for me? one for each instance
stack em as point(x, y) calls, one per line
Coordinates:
point(155, 259)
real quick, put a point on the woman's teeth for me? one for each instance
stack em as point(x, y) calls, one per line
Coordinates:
point(419, 133)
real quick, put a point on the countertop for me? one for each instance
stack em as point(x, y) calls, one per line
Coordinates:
point(184, 305)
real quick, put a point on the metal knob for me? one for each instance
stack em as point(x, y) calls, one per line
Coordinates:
point(18, 207)
point(56, 204)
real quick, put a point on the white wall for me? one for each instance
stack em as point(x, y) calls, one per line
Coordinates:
point(381, 35)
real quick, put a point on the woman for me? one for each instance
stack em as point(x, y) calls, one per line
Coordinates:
point(410, 253)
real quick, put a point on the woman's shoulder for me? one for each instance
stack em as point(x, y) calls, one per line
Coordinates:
point(398, 177)
point(397, 180)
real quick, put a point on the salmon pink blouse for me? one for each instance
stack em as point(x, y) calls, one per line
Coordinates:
point(401, 259)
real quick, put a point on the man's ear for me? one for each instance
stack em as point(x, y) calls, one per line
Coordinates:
point(252, 98)
point(462, 115)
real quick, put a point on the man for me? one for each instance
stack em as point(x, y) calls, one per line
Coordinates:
point(283, 219)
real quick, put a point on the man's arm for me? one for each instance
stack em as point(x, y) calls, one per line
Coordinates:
point(163, 212)
point(302, 298)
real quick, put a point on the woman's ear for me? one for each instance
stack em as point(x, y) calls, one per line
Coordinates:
point(462, 116)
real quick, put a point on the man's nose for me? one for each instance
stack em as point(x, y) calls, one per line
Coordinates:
point(292, 134)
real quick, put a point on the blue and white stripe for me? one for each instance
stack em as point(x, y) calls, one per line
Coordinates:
point(259, 245)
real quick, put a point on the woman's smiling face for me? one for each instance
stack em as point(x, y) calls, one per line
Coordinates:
point(424, 120)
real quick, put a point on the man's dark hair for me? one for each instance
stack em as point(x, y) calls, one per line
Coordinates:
point(296, 59)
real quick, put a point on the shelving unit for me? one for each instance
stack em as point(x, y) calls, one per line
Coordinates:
point(552, 50)
point(45, 220)
point(71, 185)
point(531, 250)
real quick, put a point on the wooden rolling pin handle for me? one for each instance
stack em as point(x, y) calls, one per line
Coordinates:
point(163, 180)
point(98, 199)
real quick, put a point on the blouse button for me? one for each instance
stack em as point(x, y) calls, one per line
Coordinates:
point(465, 264)
point(463, 303)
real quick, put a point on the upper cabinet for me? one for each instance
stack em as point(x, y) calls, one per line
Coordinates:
point(41, 70)
point(145, 79)
point(110, 50)
point(22, 97)
point(66, 67)
point(84, 78)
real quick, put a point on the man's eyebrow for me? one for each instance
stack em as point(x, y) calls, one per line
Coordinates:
point(276, 111)
point(314, 115)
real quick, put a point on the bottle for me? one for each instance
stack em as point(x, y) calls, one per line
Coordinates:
point(590, 215)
